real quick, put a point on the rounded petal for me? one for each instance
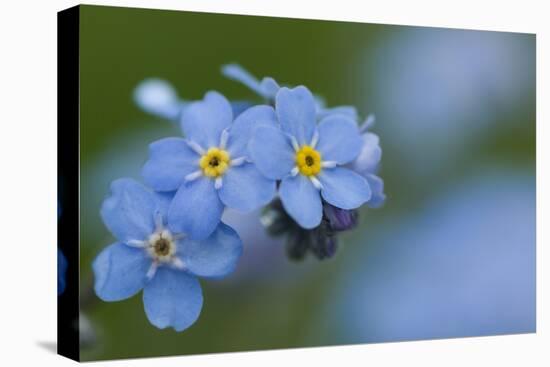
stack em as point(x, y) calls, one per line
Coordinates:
point(170, 160)
point(339, 139)
point(158, 97)
point(244, 188)
point(172, 299)
point(239, 107)
point(164, 199)
point(301, 201)
point(242, 128)
point(196, 209)
point(349, 111)
point(368, 159)
point(296, 111)
point(344, 188)
point(271, 152)
point(377, 186)
point(214, 257)
point(129, 211)
point(120, 271)
point(269, 87)
point(204, 121)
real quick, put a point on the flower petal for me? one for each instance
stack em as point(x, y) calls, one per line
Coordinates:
point(204, 121)
point(296, 111)
point(214, 257)
point(164, 200)
point(348, 111)
point(129, 211)
point(368, 159)
point(159, 98)
point(242, 128)
point(377, 186)
point(344, 188)
point(196, 209)
point(269, 88)
point(339, 139)
point(301, 201)
point(172, 299)
point(170, 160)
point(120, 271)
point(239, 107)
point(245, 188)
point(271, 152)
point(241, 75)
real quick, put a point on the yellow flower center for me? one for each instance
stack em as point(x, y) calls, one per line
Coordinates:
point(308, 161)
point(214, 162)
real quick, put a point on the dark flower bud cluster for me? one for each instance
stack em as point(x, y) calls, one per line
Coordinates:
point(321, 241)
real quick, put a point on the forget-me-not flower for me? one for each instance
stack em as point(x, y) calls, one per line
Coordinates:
point(210, 168)
point(268, 87)
point(367, 163)
point(150, 255)
point(308, 158)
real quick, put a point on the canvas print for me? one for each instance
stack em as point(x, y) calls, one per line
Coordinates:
point(238, 183)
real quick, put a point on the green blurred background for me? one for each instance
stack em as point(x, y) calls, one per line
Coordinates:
point(450, 105)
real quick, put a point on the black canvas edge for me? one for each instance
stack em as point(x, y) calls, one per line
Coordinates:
point(68, 141)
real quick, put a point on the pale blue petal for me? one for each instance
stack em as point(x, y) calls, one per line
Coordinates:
point(172, 299)
point(239, 74)
point(244, 125)
point(344, 188)
point(348, 111)
point(129, 211)
point(170, 160)
point(120, 271)
point(196, 209)
point(204, 121)
point(339, 139)
point(377, 186)
point(239, 107)
point(296, 111)
point(271, 152)
point(244, 188)
point(269, 88)
point(214, 257)
point(301, 201)
point(158, 97)
point(164, 200)
point(368, 159)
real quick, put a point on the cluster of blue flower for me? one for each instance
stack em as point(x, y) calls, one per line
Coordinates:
point(311, 167)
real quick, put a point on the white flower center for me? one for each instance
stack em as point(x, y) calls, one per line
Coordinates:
point(161, 246)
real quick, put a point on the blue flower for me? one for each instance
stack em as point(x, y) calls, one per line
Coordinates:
point(367, 164)
point(210, 168)
point(150, 255)
point(61, 272)
point(308, 158)
point(268, 87)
